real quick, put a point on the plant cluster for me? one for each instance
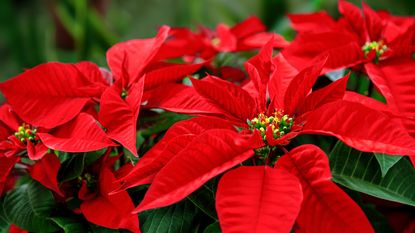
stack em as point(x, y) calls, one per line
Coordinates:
point(226, 130)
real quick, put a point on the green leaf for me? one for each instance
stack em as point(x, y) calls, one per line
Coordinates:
point(204, 199)
point(176, 218)
point(73, 225)
point(98, 229)
point(386, 162)
point(71, 168)
point(360, 171)
point(29, 207)
point(4, 221)
point(213, 228)
point(161, 122)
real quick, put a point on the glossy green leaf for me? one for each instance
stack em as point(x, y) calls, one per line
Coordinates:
point(204, 199)
point(176, 218)
point(361, 172)
point(213, 228)
point(73, 225)
point(29, 207)
point(72, 168)
point(386, 162)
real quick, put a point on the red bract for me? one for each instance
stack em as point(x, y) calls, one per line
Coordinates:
point(54, 93)
point(264, 199)
point(135, 68)
point(78, 135)
point(247, 35)
point(98, 207)
point(258, 199)
point(359, 36)
point(383, 44)
point(187, 157)
point(293, 106)
point(325, 207)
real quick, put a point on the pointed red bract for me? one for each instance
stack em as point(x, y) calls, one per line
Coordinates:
point(79, 135)
point(111, 211)
point(182, 99)
point(258, 199)
point(119, 116)
point(139, 54)
point(333, 92)
point(209, 154)
point(360, 127)
point(225, 95)
point(50, 94)
point(325, 208)
point(395, 79)
point(176, 138)
point(45, 171)
point(6, 166)
point(301, 85)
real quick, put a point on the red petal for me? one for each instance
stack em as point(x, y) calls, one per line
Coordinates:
point(368, 102)
point(6, 166)
point(280, 80)
point(49, 94)
point(181, 99)
point(171, 73)
point(209, 154)
point(180, 134)
point(79, 135)
point(259, 68)
point(374, 23)
point(248, 27)
point(353, 19)
point(258, 199)
point(395, 79)
point(325, 208)
point(37, 151)
point(227, 96)
point(333, 92)
point(9, 118)
point(111, 211)
point(314, 22)
point(360, 127)
point(342, 48)
point(301, 85)
point(139, 53)
point(45, 171)
point(119, 116)
point(258, 40)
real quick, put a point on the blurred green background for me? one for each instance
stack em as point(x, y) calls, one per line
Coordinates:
point(36, 31)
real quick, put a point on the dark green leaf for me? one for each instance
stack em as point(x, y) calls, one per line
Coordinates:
point(213, 228)
point(386, 162)
point(29, 207)
point(204, 199)
point(73, 225)
point(98, 229)
point(360, 171)
point(176, 218)
point(71, 168)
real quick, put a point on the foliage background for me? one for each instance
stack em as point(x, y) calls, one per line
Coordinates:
point(30, 34)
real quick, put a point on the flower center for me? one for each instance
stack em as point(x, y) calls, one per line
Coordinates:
point(215, 41)
point(124, 94)
point(278, 122)
point(26, 132)
point(378, 47)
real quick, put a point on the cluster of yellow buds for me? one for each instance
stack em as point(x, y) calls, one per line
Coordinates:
point(90, 180)
point(378, 46)
point(24, 132)
point(279, 122)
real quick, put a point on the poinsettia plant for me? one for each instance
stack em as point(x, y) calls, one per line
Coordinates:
point(313, 135)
